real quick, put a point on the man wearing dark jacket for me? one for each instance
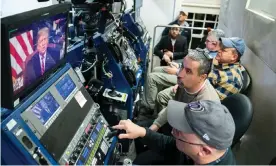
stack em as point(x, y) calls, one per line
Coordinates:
point(171, 47)
point(202, 134)
point(181, 21)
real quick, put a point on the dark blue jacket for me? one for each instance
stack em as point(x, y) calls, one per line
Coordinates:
point(166, 146)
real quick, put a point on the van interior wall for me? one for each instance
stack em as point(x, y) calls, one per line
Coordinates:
point(156, 12)
point(258, 145)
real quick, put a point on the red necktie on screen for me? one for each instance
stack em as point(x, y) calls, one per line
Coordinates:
point(42, 65)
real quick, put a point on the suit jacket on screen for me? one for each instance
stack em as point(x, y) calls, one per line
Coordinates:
point(33, 68)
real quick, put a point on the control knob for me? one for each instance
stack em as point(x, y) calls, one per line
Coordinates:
point(75, 155)
point(81, 144)
point(86, 136)
point(77, 151)
point(83, 139)
point(73, 159)
point(72, 162)
point(97, 114)
point(99, 155)
point(90, 129)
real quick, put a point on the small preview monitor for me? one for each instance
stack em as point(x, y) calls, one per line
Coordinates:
point(65, 86)
point(45, 108)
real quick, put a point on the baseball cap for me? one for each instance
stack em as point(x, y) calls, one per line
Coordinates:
point(209, 120)
point(234, 42)
point(183, 13)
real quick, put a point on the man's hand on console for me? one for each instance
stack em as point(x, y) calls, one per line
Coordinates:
point(132, 130)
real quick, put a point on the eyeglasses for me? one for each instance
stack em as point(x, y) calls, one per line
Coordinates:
point(209, 41)
point(189, 142)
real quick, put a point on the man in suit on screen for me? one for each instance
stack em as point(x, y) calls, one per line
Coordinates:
point(42, 60)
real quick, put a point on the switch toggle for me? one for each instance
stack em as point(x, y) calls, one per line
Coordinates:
point(77, 151)
point(72, 162)
point(81, 144)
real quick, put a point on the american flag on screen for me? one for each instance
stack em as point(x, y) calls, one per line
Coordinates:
point(21, 46)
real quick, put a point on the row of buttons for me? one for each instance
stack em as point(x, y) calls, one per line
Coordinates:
point(92, 154)
point(104, 147)
point(80, 146)
point(52, 119)
point(75, 139)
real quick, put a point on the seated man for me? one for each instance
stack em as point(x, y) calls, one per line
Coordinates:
point(212, 45)
point(202, 44)
point(226, 75)
point(198, 136)
point(212, 42)
point(193, 84)
point(160, 79)
point(171, 47)
point(181, 21)
point(165, 77)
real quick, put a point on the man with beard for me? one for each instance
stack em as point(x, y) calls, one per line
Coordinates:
point(171, 47)
point(162, 79)
point(181, 21)
point(192, 83)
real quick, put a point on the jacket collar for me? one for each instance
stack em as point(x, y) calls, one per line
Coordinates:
point(225, 66)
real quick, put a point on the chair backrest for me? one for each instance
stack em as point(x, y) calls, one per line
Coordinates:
point(245, 81)
point(240, 107)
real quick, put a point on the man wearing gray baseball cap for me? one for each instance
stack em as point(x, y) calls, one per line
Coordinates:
point(202, 134)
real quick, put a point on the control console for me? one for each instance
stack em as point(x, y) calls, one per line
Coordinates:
point(59, 124)
point(90, 144)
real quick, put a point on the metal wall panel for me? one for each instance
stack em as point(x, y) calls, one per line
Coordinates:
point(259, 143)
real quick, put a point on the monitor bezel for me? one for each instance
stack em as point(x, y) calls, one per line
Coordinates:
point(10, 100)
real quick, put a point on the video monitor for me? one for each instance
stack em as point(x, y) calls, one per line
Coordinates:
point(34, 45)
point(45, 108)
point(36, 49)
point(65, 86)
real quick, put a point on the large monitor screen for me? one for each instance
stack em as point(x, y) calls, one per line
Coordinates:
point(35, 49)
point(45, 108)
point(65, 86)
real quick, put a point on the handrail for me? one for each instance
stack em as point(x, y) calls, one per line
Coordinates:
point(170, 26)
